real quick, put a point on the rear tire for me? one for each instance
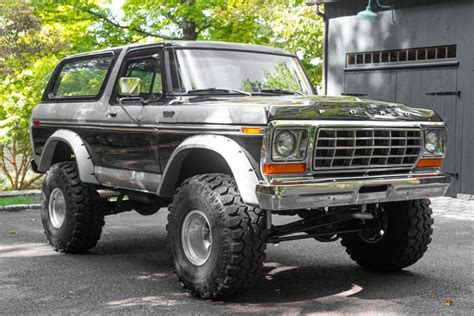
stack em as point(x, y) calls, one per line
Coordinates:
point(408, 233)
point(71, 211)
point(235, 231)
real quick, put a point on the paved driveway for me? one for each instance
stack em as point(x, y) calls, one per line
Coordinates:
point(129, 272)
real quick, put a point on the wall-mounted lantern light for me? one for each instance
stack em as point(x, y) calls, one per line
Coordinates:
point(369, 14)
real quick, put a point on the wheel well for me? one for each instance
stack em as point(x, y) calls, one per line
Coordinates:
point(62, 152)
point(201, 161)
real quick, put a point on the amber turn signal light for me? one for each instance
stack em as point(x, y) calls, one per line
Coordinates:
point(284, 168)
point(251, 130)
point(430, 163)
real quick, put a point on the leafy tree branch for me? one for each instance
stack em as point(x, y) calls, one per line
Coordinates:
point(106, 19)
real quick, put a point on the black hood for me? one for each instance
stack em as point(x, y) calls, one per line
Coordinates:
point(347, 108)
point(259, 110)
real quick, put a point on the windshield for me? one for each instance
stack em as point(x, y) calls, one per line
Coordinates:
point(225, 71)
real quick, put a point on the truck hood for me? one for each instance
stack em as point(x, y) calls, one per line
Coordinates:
point(259, 110)
point(345, 108)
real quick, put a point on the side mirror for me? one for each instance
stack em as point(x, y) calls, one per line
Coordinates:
point(130, 86)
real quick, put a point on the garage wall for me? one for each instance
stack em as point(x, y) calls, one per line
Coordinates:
point(414, 24)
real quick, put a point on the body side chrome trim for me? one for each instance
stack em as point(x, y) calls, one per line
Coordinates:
point(228, 149)
point(82, 156)
point(164, 128)
point(351, 123)
point(128, 179)
point(328, 178)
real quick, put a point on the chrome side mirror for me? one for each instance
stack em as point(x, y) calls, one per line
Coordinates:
point(130, 86)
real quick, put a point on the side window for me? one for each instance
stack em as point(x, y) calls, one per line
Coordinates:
point(148, 70)
point(81, 78)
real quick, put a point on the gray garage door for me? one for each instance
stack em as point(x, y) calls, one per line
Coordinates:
point(428, 88)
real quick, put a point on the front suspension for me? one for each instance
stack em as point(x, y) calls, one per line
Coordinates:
point(328, 224)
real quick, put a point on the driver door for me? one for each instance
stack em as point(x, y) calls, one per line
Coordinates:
point(129, 141)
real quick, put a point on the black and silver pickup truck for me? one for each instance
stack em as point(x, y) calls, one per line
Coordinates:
point(228, 136)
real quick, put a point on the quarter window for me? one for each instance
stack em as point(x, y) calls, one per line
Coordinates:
point(82, 78)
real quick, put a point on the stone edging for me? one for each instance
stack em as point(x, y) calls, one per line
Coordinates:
point(20, 193)
point(19, 207)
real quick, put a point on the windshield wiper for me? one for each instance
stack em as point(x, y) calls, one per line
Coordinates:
point(216, 91)
point(281, 91)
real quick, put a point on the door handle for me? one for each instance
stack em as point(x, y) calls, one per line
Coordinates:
point(111, 113)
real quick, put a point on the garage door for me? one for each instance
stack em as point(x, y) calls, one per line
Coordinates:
point(435, 89)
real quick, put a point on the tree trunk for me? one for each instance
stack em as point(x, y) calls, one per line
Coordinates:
point(189, 27)
point(189, 30)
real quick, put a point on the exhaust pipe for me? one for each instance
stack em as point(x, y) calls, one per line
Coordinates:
point(105, 194)
point(366, 216)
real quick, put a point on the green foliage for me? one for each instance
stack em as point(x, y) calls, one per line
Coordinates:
point(280, 78)
point(29, 50)
point(175, 19)
point(250, 86)
point(36, 34)
point(300, 30)
point(17, 200)
point(287, 24)
point(83, 78)
point(149, 73)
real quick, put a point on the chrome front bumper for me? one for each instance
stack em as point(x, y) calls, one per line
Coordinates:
point(314, 193)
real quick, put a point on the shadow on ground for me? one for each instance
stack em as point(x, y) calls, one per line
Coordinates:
point(130, 271)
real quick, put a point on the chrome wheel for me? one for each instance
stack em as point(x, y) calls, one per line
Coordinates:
point(196, 237)
point(57, 208)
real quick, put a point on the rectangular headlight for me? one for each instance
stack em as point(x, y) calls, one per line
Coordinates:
point(436, 140)
point(289, 144)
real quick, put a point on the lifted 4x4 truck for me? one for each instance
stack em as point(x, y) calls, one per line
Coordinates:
point(229, 136)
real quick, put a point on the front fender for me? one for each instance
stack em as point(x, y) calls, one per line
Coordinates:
point(238, 162)
point(74, 141)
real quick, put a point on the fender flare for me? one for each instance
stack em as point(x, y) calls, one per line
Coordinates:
point(234, 155)
point(77, 145)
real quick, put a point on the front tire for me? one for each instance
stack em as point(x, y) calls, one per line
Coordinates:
point(408, 233)
point(216, 242)
point(71, 211)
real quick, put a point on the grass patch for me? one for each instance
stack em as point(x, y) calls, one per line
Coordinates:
point(13, 200)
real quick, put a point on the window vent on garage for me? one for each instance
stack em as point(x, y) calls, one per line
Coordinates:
point(401, 56)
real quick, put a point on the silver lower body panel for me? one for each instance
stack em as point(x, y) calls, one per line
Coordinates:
point(314, 194)
point(128, 179)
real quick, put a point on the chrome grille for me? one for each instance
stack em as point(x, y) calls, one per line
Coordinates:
point(366, 148)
